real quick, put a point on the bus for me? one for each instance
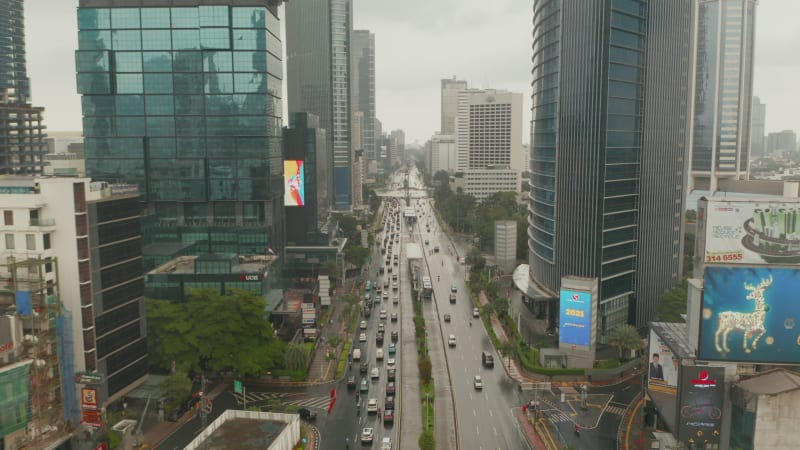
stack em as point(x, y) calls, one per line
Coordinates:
point(427, 288)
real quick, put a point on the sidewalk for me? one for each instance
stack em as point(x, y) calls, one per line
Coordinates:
point(634, 429)
point(164, 429)
point(528, 430)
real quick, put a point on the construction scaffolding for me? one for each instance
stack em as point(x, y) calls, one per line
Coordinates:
point(30, 291)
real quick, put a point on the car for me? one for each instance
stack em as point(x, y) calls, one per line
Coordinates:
point(388, 416)
point(364, 367)
point(487, 359)
point(375, 373)
point(386, 296)
point(394, 277)
point(379, 339)
point(389, 402)
point(436, 249)
point(378, 290)
point(364, 386)
point(377, 299)
point(382, 314)
point(306, 414)
point(363, 325)
point(394, 317)
point(362, 337)
point(447, 317)
point(394, 285)
point(426, 241)
point(392, 349)
point(391, 374)
point(381, 327)
point(395, 336)
point(372, 406)
point(390, 388)
point(379, 354)
point(395, 262)
point(382, 270)
point(386, 443)
point(367, 435)
point(390, 362)
point(476, 312)
point(386, 284)
point(451, 340)
point(453, 288)
point(395, 299)
point(351, 382)
point(453, 297)
point(389, 269)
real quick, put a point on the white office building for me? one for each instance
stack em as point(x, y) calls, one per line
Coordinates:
point(441, 152)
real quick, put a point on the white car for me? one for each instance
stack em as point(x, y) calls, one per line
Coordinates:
point(379, 354)
point(372, 405)
point(451, 341)
point(367, 435)
point(383, 314)
point(363, 325)
point(386, 443)
point(390, 362)
point(362, 337)
point(478, 383)
point(395, 299)
point(475, 312)
point(375, 373)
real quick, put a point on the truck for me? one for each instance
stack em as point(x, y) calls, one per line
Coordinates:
point(357, 354)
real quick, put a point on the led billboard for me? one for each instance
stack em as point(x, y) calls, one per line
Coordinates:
point(700, 406)
point(750, 315)
point(294, 181)
point(662, 367)
point(575, 318)
point(748, 232)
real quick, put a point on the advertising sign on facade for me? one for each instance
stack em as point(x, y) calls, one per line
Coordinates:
point(89, 398)
point(663, 366)
point(575, 323)
point(294, 180)
point(750, 315)
point(700, 406)
point(748, 232)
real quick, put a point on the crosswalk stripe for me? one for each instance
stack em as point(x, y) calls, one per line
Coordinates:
point(615, 410)
point(313, 402)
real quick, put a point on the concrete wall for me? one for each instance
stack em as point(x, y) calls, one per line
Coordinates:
point(776, 422)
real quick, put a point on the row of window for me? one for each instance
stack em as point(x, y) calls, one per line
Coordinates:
point(179, 61)
point(186, 17)
point(30, 241)
point(186, 83)
point(180, 105)
point(203, 39)
point(168, 126)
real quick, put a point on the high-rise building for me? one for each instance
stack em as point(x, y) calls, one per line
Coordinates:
point(22, 134)
point(758, 144)
point(185, 102)
point(397, 147)
point(781, 143)
point(450, 89)
point(723, 50)
point(362, 87)
point(441, 151)
point(608, 149)
point(488, 129)
point(318, 71)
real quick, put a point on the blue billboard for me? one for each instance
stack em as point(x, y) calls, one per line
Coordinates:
point(750, 315)
point(575, 322)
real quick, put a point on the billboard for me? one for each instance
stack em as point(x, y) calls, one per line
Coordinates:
point(575, 318)
point(294, 180)
point(752, 232)
point(663, 366)
point(700, 406)
point(750, 315)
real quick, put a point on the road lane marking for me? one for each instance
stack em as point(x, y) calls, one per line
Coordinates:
point(495, 430)
point(475, 413)
point(490, 413)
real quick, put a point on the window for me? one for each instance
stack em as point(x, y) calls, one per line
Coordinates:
point(30, 241)
point(8, 217)
point(9, 242)
point(46, 239)
point(48, 265)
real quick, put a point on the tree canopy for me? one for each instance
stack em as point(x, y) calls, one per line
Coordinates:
point(625, 337)
point(214, 332)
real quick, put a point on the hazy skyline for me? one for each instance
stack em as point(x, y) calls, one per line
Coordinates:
point(419, 42)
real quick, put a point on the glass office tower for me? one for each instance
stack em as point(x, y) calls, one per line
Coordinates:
point(608, 137)
point(185, 102)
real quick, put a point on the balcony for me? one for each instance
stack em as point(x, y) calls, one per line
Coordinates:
point(42, 223)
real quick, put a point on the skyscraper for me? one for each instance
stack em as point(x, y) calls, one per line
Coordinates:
point(607, 149)
point(758, 132)
point(450, 89)
point(185, 102)
point(723, 89)
point(488, 129)
point(22, 136)
point(318, 71)
point(362, 87)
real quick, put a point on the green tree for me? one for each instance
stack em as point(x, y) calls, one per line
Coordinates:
point(475, 259)
point(673, 303)
point(333, 270)
point(295, 357)
point(688, 253)
point(167, 329)
point(442, 177)
point(625, 338)
point(691, 216)
point(232, 332)
point(356, 255)
point(508, 349)
point(178, 387)
point(501, 305)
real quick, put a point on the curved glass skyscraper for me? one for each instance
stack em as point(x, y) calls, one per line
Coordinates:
point(610, 89)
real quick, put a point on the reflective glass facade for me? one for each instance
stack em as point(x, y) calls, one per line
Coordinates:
point(362, 88)
point(14, 80)
point(723, 84)
point(318, 71)
point(185, 102)
point(595, 134)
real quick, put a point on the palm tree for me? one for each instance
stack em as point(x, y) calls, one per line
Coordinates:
point(625, 337)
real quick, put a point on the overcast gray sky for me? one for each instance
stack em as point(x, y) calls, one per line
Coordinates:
point(418, 42)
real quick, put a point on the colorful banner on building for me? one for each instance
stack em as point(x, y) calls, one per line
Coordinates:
point(294, 183)
point(751, 315)
point(89, 398)
point(749, 232)
point(700, 406)
point(663, 367)
point(575, 323)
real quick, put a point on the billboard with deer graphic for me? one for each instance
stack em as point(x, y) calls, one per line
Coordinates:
point(751, 315)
